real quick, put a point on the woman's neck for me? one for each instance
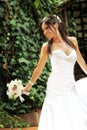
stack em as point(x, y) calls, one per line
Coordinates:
point(58, 40)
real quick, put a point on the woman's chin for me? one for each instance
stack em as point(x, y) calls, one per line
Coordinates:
point(49, 38)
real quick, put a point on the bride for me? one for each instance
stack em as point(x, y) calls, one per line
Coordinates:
point(64, 107)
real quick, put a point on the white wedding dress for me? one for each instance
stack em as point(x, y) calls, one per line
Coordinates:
point(65, 107)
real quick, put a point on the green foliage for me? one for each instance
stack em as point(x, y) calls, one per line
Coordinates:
point(72, 25)
point(20, 43)
point(33, 102)
point(8, 121)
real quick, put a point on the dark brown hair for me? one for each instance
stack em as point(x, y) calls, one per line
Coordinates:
point(50, 20)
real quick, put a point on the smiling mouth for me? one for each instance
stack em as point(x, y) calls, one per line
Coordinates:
point(48, 36)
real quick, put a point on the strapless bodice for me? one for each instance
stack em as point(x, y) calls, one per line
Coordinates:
point(62, 75)
point(61, 61)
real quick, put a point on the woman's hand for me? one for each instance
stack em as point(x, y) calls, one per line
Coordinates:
point(23, 91)
point(27, 87)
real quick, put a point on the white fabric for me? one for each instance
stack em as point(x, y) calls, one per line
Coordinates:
point(65, 107)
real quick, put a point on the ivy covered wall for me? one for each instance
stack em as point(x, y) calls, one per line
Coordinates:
point(20, 43)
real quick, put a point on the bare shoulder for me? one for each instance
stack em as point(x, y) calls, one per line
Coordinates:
point(73, 40)
point(44, 47)
point(44, 52)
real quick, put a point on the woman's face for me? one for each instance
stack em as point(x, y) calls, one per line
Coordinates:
point(48, 32)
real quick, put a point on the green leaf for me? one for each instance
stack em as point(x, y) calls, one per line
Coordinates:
point(13, 22)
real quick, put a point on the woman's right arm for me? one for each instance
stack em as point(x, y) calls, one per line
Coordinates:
point(37, 71)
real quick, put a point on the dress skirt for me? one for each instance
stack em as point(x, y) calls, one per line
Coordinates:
point(67, 111)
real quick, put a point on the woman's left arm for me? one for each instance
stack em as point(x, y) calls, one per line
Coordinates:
point(80, 59)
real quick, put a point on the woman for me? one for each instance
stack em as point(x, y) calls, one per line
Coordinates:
point(62, 108)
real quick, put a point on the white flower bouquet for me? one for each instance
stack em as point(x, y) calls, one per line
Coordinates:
point(14, 90)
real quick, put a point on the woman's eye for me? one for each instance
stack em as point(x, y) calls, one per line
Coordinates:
point(47, 28)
